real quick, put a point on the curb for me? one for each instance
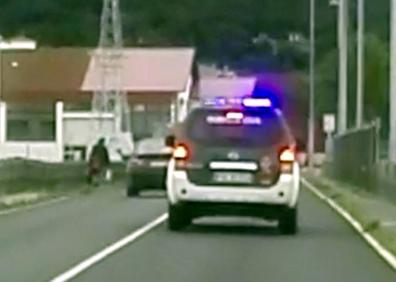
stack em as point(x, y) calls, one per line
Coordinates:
point(386, 255)
point(33, 206)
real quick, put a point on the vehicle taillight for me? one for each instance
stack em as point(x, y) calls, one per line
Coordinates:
point(180, 152)
point(287, 155)
point(287, 158)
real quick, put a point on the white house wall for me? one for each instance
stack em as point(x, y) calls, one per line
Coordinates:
point(33, 150)
point(82, 129)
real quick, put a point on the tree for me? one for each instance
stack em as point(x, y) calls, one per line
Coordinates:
point(375, 81)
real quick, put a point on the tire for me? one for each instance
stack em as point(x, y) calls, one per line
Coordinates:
point(131, 190)
point(288, 223)
point(178, 218)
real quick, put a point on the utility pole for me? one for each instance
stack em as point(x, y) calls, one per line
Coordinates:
point(360, 65)
point(311, 122)
point(343, 65)
point(108, 59)
point(1, 69)
point(392, 98)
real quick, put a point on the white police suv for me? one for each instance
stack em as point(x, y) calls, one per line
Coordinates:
point(234, 157)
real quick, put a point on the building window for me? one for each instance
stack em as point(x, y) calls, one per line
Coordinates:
point(18, 130)
point(150, 120)
point(30, 123)
point(47, 130)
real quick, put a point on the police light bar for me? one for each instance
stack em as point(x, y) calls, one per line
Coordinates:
point(257, 102)
point(248, 102)
point(218, 101)
point(234, 115)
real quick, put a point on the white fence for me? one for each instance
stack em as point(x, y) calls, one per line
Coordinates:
point(40, 151)
point(32, 150)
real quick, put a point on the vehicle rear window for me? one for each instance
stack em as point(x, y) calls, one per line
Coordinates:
point(250, 128)
point(150, 146)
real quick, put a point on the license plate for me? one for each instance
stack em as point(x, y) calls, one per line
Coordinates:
point(158, 164)
point(232, 177)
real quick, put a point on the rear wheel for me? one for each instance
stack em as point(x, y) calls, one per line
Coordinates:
point(178, 218)
point(132, 190)
point(288, 222)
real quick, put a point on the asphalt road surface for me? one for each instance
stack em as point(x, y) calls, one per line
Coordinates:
point(39, 244)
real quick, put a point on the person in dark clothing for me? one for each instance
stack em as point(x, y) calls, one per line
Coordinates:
point(98, 162)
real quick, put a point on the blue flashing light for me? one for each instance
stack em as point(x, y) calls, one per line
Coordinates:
point(217, 102)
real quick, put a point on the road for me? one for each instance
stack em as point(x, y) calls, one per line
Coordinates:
point(39, 244)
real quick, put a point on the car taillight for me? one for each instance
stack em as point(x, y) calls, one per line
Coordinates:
point(180, 152)
point(287, 158)
point(287, 155)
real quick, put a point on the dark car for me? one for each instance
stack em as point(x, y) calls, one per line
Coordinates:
point(146, 168)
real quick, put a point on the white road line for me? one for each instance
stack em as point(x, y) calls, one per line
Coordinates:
point(31, 207)
point(84, 265)
point(377, 246)
point(388, 223)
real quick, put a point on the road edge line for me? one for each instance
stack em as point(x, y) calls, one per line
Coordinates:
point(33, 206)
point(111, 249)
point(383, 252)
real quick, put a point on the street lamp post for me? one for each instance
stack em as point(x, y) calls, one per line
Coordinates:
point(342, 33)
point(360, 65)
point(392, 94)
point(343, 65)
point(311, 122)
point(1, 73)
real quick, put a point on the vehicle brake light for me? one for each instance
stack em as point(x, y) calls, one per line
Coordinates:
point(287, 155)
point(180, 152)
point(234, 115)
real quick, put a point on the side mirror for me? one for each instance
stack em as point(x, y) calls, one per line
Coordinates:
point(170, 141)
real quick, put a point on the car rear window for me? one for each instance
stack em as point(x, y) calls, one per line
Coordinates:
point(150, 146)
point(235, 128)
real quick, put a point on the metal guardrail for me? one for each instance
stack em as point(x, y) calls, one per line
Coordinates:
point(354, 156)
point(355, 159)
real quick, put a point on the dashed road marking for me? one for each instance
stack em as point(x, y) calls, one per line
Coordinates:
point(98, 257)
